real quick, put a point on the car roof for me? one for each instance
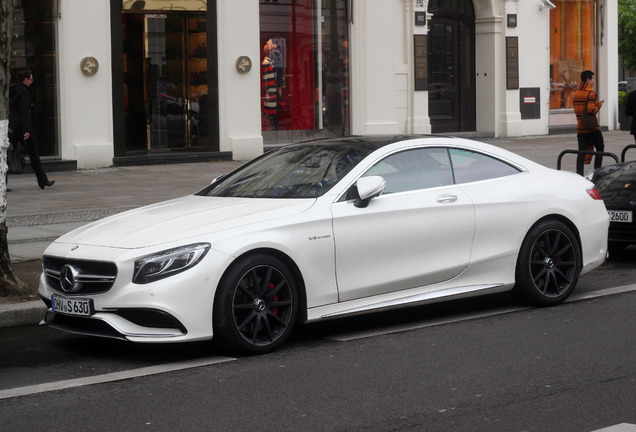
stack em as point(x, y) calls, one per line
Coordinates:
point(372, 142)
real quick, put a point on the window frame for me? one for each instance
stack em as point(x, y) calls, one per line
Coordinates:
point(351, 194)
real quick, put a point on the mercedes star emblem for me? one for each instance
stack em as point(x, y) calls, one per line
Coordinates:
point(68, 274)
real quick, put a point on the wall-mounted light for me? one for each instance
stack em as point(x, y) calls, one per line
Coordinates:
point(243, 64)
point(89, 66)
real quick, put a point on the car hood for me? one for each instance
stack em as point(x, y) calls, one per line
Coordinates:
point(180, 219)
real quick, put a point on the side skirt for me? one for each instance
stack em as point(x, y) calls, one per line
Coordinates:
point(408, 298)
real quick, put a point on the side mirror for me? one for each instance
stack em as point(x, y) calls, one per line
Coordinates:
point(369, 188)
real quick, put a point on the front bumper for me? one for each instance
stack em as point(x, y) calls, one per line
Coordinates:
point(622, 232)
point(174, 309)
point(126, 324)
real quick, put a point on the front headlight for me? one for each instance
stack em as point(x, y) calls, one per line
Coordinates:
point(169, 262)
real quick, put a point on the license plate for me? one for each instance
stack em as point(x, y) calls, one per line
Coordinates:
point(620, 215)
point(63, 305)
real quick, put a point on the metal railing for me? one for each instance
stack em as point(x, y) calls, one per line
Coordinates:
point(625, 151)
point(586, 152)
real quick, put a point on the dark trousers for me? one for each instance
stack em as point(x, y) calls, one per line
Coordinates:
point(586, 139)
point(34, 159)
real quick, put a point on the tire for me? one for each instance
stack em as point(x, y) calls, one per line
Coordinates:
point(548, 265)
point(255, 306)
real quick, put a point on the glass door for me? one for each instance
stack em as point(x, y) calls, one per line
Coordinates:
point(196, 62)
point(165, 82)
point(166, 92)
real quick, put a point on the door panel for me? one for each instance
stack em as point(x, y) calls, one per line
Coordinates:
point(443, 94)
point(451, 60)
point(402, 240)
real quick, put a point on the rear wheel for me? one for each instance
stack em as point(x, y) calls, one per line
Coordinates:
point(256, 305)
point(548, 265)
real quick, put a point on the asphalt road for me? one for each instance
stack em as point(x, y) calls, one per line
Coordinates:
point(484, 364)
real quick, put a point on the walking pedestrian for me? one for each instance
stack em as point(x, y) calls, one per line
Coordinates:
point(20, 124)
point(586, 107)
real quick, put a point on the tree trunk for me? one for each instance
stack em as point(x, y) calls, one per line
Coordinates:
point(9, 283)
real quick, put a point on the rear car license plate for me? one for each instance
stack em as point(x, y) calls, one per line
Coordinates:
point(620, 215)
point(63, 305)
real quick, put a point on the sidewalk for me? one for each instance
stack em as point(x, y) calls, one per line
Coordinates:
point(36, 217)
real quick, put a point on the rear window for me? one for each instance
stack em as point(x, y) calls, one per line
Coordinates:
point(470, 166)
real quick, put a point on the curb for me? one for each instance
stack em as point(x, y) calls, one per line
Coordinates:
point(18, 314)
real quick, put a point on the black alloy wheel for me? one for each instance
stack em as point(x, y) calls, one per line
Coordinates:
point(549, 264)
point(256, 306)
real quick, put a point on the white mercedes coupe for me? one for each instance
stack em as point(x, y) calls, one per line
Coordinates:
point(326, 229)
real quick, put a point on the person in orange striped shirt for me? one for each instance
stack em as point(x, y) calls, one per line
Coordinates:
point(585, 100)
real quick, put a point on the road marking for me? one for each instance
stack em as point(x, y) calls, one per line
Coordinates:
point(623, 427)
point(115, 376)
point(346, 337)
point(601, 293)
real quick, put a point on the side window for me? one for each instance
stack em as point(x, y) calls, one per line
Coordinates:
point(414, 169)
point(471, 166)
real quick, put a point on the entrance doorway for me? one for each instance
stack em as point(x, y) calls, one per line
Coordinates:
point(451, 91)
point(166, 86)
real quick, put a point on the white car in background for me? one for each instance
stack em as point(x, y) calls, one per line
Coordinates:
point(322, 230)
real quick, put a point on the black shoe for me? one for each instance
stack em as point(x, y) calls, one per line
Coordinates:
point(48, 183)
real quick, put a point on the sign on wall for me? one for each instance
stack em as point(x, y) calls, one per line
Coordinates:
point(530, 103)
point(512, 62)
point(420, 45)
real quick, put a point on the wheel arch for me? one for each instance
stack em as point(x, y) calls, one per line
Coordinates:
point(564, 220)
point(291, 265)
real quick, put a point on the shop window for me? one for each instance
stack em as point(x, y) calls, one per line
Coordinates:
point(304, 69)
point(33, 47)
point(572, 41)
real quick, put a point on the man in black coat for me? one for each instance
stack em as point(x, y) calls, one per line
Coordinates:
point(20, 124)
point(630, 110)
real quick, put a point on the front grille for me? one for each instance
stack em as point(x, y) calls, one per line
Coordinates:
point(90, 277)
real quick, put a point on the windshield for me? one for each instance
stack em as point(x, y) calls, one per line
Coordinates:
point(299, 171)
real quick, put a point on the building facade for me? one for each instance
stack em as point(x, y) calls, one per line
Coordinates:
point(122, 79)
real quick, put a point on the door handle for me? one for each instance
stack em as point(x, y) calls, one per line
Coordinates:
point(446, 198)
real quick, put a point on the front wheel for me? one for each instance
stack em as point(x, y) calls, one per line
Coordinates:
point(256, 305)
point(548, 265)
